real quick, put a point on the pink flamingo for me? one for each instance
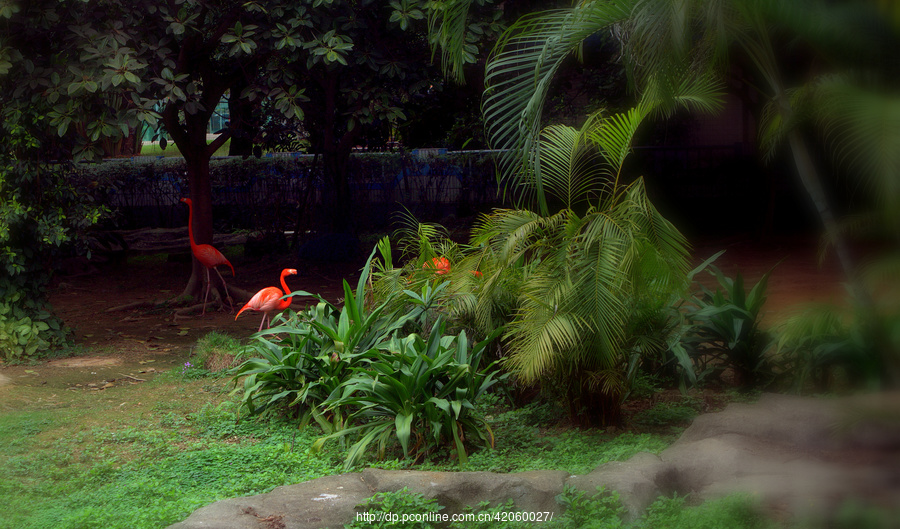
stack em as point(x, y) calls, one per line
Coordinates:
point(208, 256)
point(268, 300)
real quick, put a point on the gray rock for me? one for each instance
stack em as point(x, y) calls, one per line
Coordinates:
point(325, 502)
point(531, 491)
point(639, 481)
point(798, 456)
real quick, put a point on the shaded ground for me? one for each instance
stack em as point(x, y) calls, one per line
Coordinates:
point(84, 301)
point(135, 342)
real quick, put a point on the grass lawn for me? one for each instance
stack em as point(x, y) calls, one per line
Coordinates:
point(153, 149)
point(146, 454)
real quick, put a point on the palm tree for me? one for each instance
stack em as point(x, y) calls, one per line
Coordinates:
point(664, 36)
point(593, 277)
point(839, 80)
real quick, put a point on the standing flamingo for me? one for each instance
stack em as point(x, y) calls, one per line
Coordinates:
point(268, 300)
point(208, 256)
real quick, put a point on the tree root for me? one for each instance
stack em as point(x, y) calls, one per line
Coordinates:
point(186, 312)
point(153, 304)
point(216, 302)
point(239, 293)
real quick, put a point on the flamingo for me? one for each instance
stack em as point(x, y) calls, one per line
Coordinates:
point(268, 300)
point(208, 256)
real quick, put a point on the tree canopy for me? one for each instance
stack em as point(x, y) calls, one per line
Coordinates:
point(92, 75)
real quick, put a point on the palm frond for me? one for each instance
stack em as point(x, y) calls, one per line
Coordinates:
point(862, 128)
point(518, 75)
point(541, 332)
point(421, 239)
point(572, 169)
point(665, 38)
point(614, 135)
point(448, 25)
point(697, 91)
point(662, 236)
point(779, 117)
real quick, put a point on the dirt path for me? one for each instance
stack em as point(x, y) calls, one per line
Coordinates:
point(142, 341)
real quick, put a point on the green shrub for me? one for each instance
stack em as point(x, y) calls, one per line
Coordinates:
point(43, 217)
point(347, 370)
point(316, 353)
point(724, 332)
point(602, 510)
point(421, 392)
point(832, 348)
point(736, 511)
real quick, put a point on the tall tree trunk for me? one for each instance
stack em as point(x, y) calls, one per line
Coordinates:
point(813, 186)
point(190, 137)
point(201, 196)
point(890, 376)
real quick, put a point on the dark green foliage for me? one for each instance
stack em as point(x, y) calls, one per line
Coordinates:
point(831, 348)
point(349, 370)
point(602, 510)
point(421, 392)
point(724, 331)
point(534, 437)
point(320, 346)
point(735, 512)
point(667, 414)
point(43, 217)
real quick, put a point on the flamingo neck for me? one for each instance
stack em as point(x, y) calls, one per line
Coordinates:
point(287, 301)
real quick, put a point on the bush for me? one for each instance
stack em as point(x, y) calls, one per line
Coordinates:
point(666, 414)
point(319, 348)
point(348, 370)
point(833, 348)
point(216, 352)
point(43, 217)
point(420, 392)
point(724, 333)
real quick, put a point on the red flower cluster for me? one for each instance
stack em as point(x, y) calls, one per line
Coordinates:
point(440, 265)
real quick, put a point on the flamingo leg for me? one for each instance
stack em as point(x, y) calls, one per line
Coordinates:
point(261, 322)
point(205, 297)
point(227, 295)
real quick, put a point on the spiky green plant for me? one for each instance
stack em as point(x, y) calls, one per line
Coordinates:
point(420, 392)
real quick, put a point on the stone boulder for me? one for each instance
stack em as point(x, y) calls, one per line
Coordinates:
point(798, 456)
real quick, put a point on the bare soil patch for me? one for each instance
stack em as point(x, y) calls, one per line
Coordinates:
point(127, 342)
point(86, 362)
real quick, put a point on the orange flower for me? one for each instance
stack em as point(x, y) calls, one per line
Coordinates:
point(440, 265)
point(476, 273)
